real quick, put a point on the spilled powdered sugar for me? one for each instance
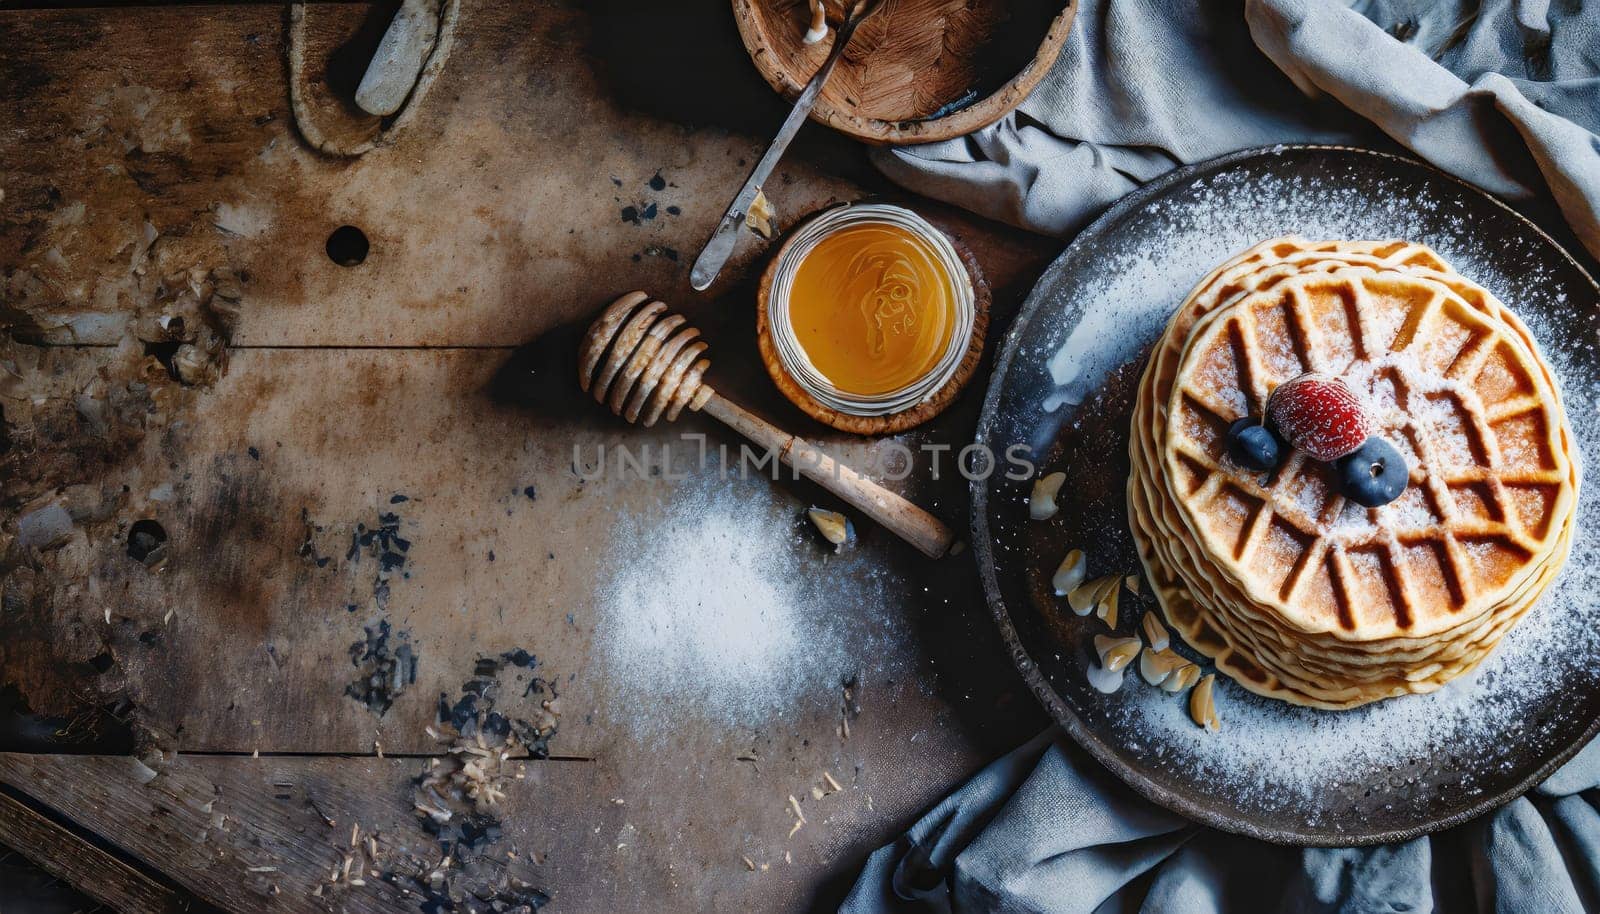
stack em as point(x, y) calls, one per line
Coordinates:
point(1405, 758)
point(724, 610)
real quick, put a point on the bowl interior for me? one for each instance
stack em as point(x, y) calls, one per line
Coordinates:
point(915, 60)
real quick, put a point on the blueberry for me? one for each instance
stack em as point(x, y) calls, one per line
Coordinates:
point(1254, 446)
point(1373, 474)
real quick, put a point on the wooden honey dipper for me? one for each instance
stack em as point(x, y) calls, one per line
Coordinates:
point(645, 363)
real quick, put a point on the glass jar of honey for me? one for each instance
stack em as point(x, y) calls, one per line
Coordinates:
point(871, 309)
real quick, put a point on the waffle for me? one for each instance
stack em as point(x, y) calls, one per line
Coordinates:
point(1293, 592)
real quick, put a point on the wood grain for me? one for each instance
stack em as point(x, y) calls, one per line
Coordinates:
point(918, 71)
point(498, 213)
point(70, 858)
point(253, 835)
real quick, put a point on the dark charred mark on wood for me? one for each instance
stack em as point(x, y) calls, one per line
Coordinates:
point(147, 542)
point(383, 543)
point(386, 672)
point(308, 547)
point(455, 798)
point(474, 709)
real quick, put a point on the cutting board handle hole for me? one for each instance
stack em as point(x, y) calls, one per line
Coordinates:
point(348, 246)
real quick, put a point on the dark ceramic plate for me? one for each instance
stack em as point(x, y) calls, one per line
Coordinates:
point(1386, 772)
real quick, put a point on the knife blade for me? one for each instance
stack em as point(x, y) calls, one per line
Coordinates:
point(720, 245)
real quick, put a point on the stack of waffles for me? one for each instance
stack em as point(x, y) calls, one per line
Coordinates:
point(1291, 589)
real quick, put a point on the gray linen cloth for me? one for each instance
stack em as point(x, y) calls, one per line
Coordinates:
point(1505, 95)
point(1047, 829)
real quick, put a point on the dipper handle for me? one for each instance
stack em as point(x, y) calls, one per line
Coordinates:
point(895, 514)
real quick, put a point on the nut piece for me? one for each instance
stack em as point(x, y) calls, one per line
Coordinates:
point(1203, 705)
point(1070, 573)
point(1042, 501)
point(760, 218)
point(1157, 665)
point(834, 527)
point(1181, 678)
point(1155, 634)
point(1132, 582)
point(1115, 653)
point(1110, 595)
point(1099, 596)
point(1081, 598)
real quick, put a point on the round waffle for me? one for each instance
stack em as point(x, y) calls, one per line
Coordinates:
point(1292, 591)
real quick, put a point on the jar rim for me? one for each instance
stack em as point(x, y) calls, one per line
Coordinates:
point(792, 356)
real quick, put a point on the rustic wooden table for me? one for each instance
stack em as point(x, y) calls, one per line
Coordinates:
point(340, 467)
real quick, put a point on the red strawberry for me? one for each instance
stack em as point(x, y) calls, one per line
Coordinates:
point(1320, 415)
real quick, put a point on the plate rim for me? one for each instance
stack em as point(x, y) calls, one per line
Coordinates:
point(983, 543)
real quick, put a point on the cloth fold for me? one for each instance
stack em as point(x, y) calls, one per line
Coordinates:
point(1503, 94)
point(1047, 830)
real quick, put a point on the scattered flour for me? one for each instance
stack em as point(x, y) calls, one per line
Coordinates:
point(1098, 311)
point(722, 610)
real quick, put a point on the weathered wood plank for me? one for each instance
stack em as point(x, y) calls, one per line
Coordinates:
point(241, 638)
point(250, 839)
point(142, 143)
point(68, 857)
point(232, 829)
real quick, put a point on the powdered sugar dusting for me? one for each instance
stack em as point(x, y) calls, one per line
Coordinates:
point(1398, 763)
point(719, 608)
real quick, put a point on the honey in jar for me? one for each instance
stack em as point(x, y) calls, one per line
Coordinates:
point(872, 306)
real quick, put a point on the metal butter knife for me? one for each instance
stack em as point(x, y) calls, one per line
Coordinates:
point(715, 254)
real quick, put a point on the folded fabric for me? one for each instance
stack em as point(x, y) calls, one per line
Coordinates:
point(1046, 830)
point(1505, 95)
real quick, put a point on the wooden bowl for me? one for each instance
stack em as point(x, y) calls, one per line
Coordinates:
point(893, 423)
point(918, 71)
